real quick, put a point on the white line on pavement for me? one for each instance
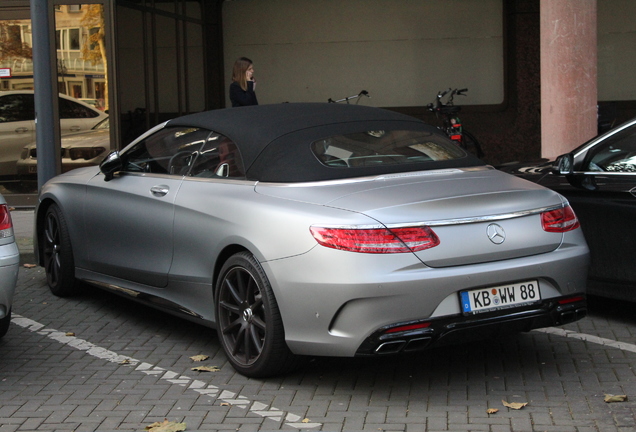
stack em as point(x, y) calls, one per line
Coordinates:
point(229, 397)
point(198, 386)
point(589, 338)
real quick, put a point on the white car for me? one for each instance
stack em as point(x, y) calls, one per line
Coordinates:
point(78, 150)
point(9, 263)
point(95, 103)
point(17, 123)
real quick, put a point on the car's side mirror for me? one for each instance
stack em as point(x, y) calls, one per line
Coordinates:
point(564, 164)
point(111, 165)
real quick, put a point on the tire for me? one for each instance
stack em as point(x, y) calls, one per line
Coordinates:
point(4, 324)
point(59, 264)
point(470, 144)
point(249, 324)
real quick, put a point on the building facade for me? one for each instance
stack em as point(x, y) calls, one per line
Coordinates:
point(165, 58)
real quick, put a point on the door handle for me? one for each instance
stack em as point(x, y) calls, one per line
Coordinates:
point(75, 128)
point(21, 130)
point(159, 190)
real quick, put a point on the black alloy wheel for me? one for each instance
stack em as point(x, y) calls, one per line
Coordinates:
point(249, 324)
point(59, 264)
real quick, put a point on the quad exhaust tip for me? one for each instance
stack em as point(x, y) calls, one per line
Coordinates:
point(397, 346)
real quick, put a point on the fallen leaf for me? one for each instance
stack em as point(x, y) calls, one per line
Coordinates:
point(306, 420)
point(225, 404)
point(70, 334)
point(200, 357)
point(491, 410)
point(124, 362)
point(29, 265)
point(166, 426)
point(206, 369)
point(514, 405)
point(615, 398)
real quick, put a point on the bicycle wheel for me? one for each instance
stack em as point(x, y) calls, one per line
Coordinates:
point(470, 144)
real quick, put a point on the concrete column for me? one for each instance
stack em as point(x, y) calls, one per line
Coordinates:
point(568, 75)
point(47, 125)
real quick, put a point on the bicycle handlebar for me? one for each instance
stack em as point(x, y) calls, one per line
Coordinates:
point(441, 94)
point(347, 99)
point(439, 106)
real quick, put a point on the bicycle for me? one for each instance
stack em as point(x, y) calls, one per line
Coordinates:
point(347, 99)
point(451, 123)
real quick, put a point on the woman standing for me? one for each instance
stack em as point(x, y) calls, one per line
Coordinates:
point(243, 84)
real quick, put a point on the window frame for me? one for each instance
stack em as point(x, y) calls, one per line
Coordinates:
point(138, 158)
point(626, 136)
point(29, 102)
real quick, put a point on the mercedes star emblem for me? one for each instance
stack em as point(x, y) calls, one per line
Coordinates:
point(496, 233)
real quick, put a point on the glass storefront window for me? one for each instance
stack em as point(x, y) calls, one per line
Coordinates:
point(82, 78)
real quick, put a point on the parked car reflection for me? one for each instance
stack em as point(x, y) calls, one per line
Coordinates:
point(95, 103)
point(17, 124)
point(77, 150)
point(599, 180)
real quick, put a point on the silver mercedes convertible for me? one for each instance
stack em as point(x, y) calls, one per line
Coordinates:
point(315, 230)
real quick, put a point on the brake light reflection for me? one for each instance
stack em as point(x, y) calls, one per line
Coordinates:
point(408, 327)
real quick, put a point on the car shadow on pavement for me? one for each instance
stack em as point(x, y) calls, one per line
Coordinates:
point(435, 363)
point(150, 335)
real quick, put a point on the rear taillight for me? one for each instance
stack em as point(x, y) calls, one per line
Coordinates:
point(376, 240)
point(6, 226)
point(559, 220)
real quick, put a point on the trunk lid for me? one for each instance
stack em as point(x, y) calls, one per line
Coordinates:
point(480, 215)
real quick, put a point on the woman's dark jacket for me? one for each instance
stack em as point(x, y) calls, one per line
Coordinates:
point(240, 97)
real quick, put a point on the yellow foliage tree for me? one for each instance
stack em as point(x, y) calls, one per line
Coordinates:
point(11, 44)
point(94, 48)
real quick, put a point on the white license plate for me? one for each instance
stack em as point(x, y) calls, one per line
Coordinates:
point(500, 297)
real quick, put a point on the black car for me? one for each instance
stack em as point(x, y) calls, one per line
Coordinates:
point(599, 180)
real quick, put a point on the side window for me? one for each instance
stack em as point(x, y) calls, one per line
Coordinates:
point(171, 150)
point(616, 154)
point(18, 107)
point(70, 109)
point(218, 158)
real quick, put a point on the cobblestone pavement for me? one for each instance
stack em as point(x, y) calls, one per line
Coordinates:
point(98, 362)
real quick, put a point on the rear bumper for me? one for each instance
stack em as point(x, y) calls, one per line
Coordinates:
point(9, 267)
point(458, 329)
point(339, 301)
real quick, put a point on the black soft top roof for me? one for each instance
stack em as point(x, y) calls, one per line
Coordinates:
point(282, 134)
point(257, 126)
